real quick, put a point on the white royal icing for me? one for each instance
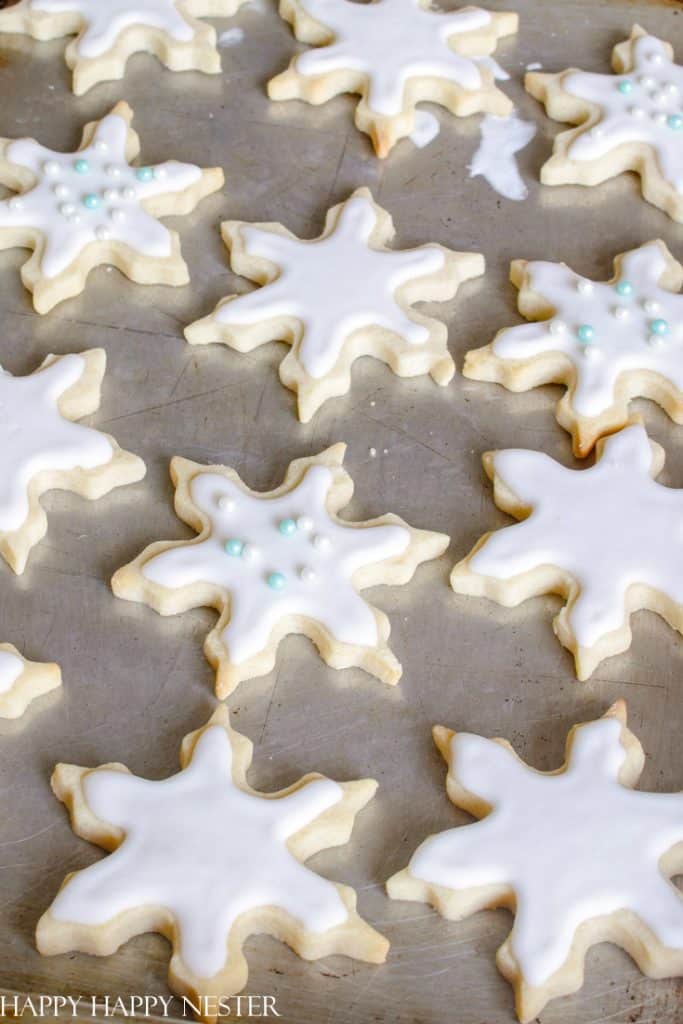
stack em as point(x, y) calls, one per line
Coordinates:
point(623, 338)
point(573, 845)
point(204, 849)
point(105, 20)
point(649, 110)
point(610, 527)
point(317, 561)
point(35, 437)
point(333, 286)
point(392, 41)
point(501, 139)
point(56, 206)
point(11, 667)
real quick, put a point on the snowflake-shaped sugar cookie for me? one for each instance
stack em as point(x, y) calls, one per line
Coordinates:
point(207, 861)
point(80, 210)
point(279, 562)
point(607, 342)
point(337, 297)
point(629, 121)
point(394, 54)
point(41, 448)
point(608, 539)
point(108, 32)
point(22, 681)
point(577, 854)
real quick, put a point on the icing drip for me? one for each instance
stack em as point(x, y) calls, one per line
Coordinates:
point(609, 527)
point(106, 20)
point(642, 105)
point(92, 196)
point(501, 138)
point(11, 667)
point(573, 845)
point(605, 330)
point(36, 438)
point(308, 286)
point(205, 850)
point(278, 558)
point(392, 41)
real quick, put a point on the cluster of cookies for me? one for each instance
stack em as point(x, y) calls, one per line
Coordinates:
point(201, 857)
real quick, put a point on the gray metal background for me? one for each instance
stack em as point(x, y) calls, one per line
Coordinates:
point(135, 683)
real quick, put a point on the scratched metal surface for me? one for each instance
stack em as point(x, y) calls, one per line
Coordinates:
point(134, 683)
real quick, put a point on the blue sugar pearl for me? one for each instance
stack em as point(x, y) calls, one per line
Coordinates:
point(144, 173)
point(624, 288)
point(585, 334)
point(91, 201)
point(659, 327)
point(287, 527)
point(625, 87)
point(234, 547)
point(276, 581)
point(82, 167)
point(675, 122)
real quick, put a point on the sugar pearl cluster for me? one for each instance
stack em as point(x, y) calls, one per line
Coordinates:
point(635, 312)
point(284, 530)
point(94, 189)
point(650, 94)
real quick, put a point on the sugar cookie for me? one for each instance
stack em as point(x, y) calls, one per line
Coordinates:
point(108, 32)
point(22, 681)
point(80, 210)
point(279, 562)
point(629, 121)
point(608, 343)
point(41, 448)
point(394, 54)
point(337, 297)
point(576, 854)
point(207, 861)
point(607, 539)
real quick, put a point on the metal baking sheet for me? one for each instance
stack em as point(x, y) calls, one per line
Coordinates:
point(135, 683)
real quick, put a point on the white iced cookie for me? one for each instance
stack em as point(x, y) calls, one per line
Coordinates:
point(279, 562)
point(80, 210)
point(207, 861)
point(41, 448)
point(22, 681)
point(629, 121)
point(394, 54)
point(575, 854)
point(608, 343)
point(338, 297)
point(607, 539)
point(108, 32)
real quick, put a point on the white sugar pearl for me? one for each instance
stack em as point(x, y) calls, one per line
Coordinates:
point(51, 167)
point(113, 171)
point(129, 192)
point(584, 287)
point(305, 524)
point(117, 215)
point(321, 542)
point(656, 58)
point(111, 194)
point(590, 351)
point(646, 81)
point(659, 97)
point(159, 172)
point(74, 218)
point(306, 574)
point(102, 233)
point(67, 209)
point(671, 88)
point(101, 146)
point(597, 132)
point(15, 203)
point(621, 312)
point(655, 340)
point(557, 327)
point(637, 112)
point(650, 306)
point(250, 552)
point(224, 503)
point(61, 190)
point(659, 117)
